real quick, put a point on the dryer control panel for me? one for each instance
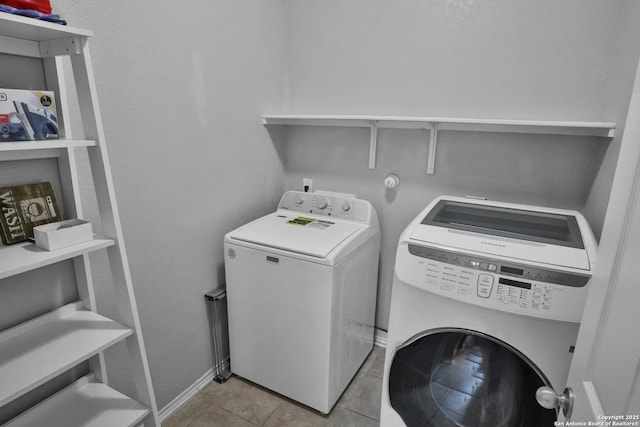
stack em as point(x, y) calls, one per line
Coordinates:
point(327, 204)
point(493, 283)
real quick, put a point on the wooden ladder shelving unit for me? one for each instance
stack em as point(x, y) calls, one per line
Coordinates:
point(34, 352)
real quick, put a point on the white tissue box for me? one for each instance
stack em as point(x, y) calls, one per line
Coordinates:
point(61, 234)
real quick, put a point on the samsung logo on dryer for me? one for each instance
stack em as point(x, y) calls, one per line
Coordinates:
point(499, 245)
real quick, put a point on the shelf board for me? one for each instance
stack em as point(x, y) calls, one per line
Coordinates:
point(437, 124)
point(604, 129)
point(26, 256)
point(36, 351)
point(44, 145)
point(22, 27)
point(26, 150)
point(20, 35)
point(84, 403)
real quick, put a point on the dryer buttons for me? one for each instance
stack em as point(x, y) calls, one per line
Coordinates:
point(485, 266)
point(485, 285)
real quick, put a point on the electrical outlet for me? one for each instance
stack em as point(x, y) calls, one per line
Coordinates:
point(307, 185)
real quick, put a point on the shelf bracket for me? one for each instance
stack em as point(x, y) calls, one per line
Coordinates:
point(433, 142)
point(57, 47)
point(373, 145)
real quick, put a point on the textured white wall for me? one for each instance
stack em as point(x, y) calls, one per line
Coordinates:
point(182, 87)
point(479, 58)
point(544, 60)
point(623, 58)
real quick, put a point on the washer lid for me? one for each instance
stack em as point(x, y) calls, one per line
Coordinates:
point(526, 233)
point(312, 236)
point(555, 228)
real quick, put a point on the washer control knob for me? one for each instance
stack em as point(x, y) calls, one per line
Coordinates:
point(299, 200)
point(346, 206)
point(322, 202)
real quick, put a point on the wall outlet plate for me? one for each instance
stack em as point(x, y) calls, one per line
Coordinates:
point(307, 185)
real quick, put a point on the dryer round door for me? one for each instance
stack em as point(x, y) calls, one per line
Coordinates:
point(461, 378)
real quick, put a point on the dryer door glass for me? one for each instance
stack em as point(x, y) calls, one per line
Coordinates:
point(462, 379)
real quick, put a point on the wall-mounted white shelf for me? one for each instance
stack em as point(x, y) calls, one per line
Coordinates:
point(438, 124)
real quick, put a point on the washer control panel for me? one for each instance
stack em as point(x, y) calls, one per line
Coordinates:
point(327, 204)
point(486, 282)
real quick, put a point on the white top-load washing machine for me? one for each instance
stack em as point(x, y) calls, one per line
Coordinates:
point(301, 291)
point(486, 303)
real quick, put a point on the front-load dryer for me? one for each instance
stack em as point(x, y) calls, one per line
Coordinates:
point(301, 293)
point(485, 309)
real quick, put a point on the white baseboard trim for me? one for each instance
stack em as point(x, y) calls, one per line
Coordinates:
point(187, 394)
point(379, 339)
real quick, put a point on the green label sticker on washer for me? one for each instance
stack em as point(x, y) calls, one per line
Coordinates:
point(301, 220)
point(310, 222)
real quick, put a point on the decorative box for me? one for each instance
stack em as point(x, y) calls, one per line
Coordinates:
point(57, 235)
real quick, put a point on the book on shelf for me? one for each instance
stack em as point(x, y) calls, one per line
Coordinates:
point(24, 207)
point(28, 115)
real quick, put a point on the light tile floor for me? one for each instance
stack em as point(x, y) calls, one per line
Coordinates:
point(239, 403)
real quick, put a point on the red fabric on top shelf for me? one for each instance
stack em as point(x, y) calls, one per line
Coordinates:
point(40, 5)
